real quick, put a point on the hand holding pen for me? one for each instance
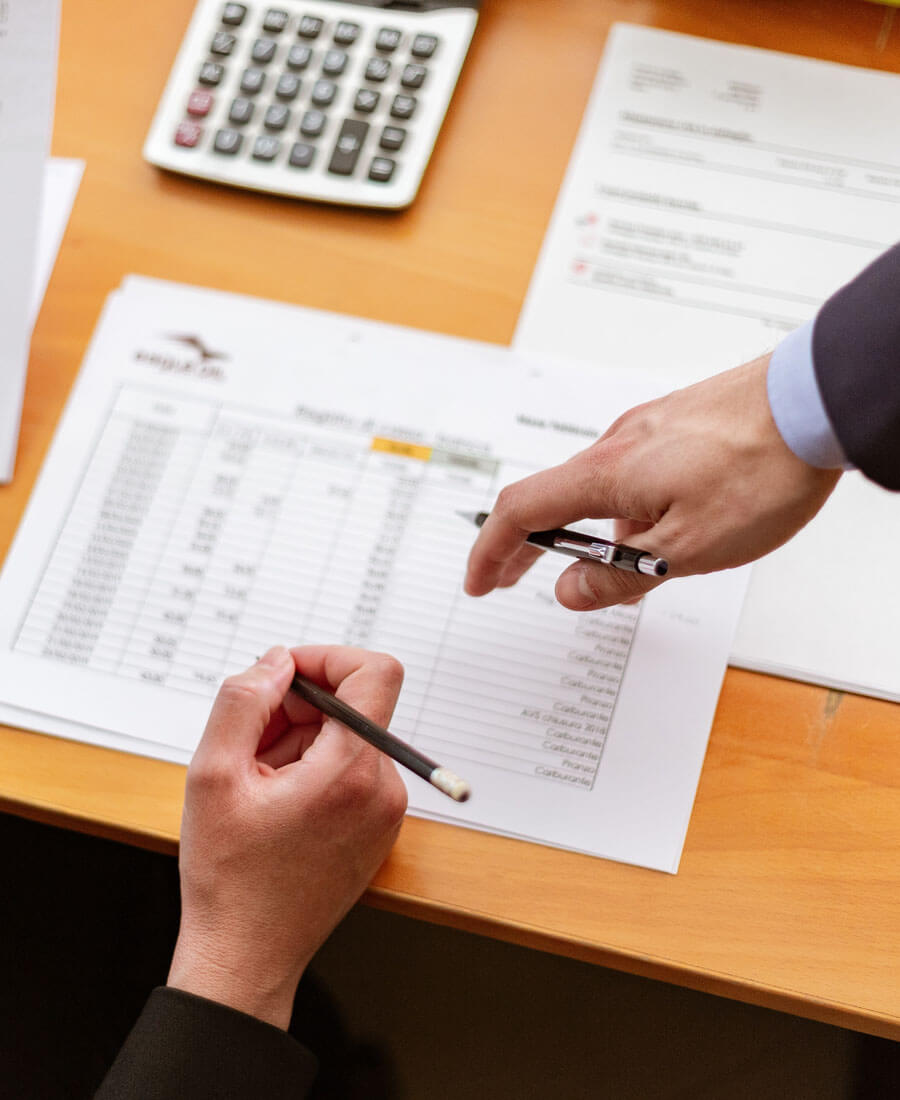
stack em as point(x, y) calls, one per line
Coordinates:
point(700, 478)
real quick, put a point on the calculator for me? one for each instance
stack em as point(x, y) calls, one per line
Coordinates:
point(317, 99)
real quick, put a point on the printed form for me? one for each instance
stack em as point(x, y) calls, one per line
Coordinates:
point(230, 474)
point(716, 196)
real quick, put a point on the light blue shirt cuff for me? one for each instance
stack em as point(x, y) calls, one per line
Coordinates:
point(796, 403)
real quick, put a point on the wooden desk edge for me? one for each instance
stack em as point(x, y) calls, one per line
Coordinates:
point(519, 933)
point(718, 983)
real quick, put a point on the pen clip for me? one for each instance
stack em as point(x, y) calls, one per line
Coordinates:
point(593, 551)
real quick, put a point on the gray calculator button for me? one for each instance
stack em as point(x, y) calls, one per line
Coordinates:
point(381, 169)
point(275, 20)
point(277, 117)
point(424, 45)
point(211, 73)
point(348, 147)
point(378, 69)
point(222, 43)
point(312, 124)
point(298, 57)
point(323, 93)
point(403, 106)
point(366, 101)
point(263, 51)
point(227, 141)
point(302, 154)
point(240, 111)
point(310, 26)
point(334, 62)
point(266, 148)
point(252, 81)
point(392, 137)
point(388, 39)
point(288, 86)
point(233, 14)
point(413, 76)
point(345, 34)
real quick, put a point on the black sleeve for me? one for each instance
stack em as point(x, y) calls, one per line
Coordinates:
point(185, 1046)
point(856, 353)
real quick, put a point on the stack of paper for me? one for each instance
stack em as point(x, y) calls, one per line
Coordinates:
point(231, 474)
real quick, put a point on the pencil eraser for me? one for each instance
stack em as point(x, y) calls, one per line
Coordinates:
point(450, 783)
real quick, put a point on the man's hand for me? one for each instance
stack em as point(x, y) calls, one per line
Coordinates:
point(701, 477)
point(287, 817)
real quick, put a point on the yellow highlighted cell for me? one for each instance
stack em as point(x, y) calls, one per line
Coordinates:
point(399, 447)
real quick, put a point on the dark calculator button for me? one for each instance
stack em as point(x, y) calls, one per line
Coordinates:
point(211, 73)
point(275, 20)
point(302, 154)
point(323, 93)
point(288, 86)
point(222, 43)
point(263, 51)
point(298, 57)
point(388, 39)
point(334, 62)
point(424, 45)
point(403, 106)
point(312, 124)
point(366, 101)
point(345, 34)
point(276, 117)
point(241, 110)
point(310, 26)
point(348, 147)
point(228, 142)
point(392, 137)
point(266, 148)
point(199, 103)
point(252, 81)
point(188, 134)
point(381, 169)
point(378, 69)
point(233, 14)
point(413, 76)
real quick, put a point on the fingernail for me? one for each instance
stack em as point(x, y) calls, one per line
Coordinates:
point(275, 656)
point(585, 590)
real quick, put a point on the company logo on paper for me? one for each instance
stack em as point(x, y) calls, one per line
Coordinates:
point(202, 362)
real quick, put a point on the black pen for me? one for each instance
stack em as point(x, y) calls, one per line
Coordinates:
point(589, 548)
point(445, 780)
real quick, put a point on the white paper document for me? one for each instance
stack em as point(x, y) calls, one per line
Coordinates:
point(230, 474)
point(61, 179)
point(716, 195)
point(29, 31)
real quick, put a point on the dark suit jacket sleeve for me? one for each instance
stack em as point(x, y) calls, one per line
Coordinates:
point(184, 1046)
point(856, 353)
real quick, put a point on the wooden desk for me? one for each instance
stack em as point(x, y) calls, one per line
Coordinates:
point(788, 892)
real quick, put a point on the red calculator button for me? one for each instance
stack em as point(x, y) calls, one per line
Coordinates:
point(199, 103)
point(188, 134)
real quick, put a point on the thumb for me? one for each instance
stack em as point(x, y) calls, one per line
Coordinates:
point(246, 703)
point(588, 586)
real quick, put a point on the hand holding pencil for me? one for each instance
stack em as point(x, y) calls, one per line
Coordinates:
point(288, 816)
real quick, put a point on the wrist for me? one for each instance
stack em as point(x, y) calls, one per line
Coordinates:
point(236, 977)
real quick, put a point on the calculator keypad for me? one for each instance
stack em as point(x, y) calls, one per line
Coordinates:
point(333, 61)
point(288, 90)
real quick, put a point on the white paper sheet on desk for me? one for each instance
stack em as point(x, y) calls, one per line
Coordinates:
point(716, 195)
point(231, 473)
point(29, 31)
point(61, 179)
